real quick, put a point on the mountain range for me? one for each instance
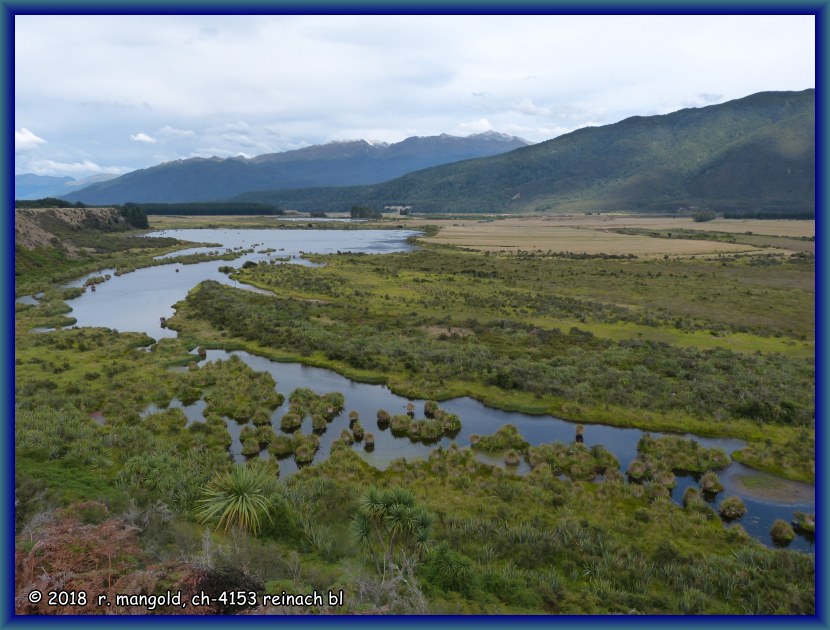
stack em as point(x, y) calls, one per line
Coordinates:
point(333, 164)
point(753, 154)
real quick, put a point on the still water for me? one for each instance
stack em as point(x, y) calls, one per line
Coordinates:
point(136, 301)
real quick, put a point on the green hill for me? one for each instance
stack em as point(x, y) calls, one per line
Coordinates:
point(752, 154)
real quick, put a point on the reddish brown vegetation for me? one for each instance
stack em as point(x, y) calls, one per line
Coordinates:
point(70, 553)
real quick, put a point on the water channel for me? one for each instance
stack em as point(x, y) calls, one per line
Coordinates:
point(135, 301)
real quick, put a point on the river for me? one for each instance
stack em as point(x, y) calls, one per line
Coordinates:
point(136, 301)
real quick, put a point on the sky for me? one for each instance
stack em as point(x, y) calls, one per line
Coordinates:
point(111, 94)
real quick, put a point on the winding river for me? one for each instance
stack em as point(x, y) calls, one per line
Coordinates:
point(136, 301)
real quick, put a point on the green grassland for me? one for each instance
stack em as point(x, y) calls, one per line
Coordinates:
point(497, 543)
point(680, 344)
point(621, 342)
point(38, 269)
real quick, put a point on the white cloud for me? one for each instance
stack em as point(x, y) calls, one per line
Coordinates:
point(209, 152)
point(171, 132)
point(527, 106)
point(237, 127)
point(191, 80)
point(87, 167)
point(476, 126)
point(25, 140)
point(142, 137)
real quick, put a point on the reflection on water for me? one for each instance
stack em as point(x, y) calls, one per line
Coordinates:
point(478, 418)
point(136, 302)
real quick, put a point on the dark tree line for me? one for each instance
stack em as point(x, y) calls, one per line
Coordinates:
point(202, 208)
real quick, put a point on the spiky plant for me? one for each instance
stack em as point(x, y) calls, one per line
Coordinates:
point(393, 520)
point(237, 499)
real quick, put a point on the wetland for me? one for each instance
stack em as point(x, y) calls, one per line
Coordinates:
point(177, 357)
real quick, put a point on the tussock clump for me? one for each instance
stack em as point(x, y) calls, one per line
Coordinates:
point(575, 460)
point(430, 408)
point(511, 458)
point(505, 438)
point(782, 533)
point(804, 523)
point(710, 485)
point(732, 508)
point(281, 446)
point(681, 455)
point(290, 422)
point(399, 425)
point(305, 448)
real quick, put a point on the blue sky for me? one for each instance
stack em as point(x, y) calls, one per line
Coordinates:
point(111, 94)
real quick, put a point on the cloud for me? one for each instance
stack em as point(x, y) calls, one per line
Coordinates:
point(190, 80)
point(171, 132)
point(527, 106)
point(209, 152)
point(142, 137)
point(476, 126)
point(25, 140)
point(125, 104)
point(237, 127)
point(52, 167)
point(709, 98)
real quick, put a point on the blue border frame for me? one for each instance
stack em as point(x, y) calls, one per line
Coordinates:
point(9, 8)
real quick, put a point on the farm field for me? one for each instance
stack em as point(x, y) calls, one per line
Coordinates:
point(594, 235)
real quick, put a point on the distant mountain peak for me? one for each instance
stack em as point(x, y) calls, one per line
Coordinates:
point(335, 163)
point(497, 135)
point(755, 154)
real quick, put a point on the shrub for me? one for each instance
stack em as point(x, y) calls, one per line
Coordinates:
point(506, 437)
point(681, 455)
point(732, 508)
point(781, 532)
point(237, 498)
point(318, 423)
point(691, 496)
point(265, 435)
point(447, 570)
point(290, 422)
point(703, 216)
point(399, 424)
point(804, 523)
point(451, 423)
point(250, 447)
point(430, 408)
point(710, 484)
point(281, 445)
